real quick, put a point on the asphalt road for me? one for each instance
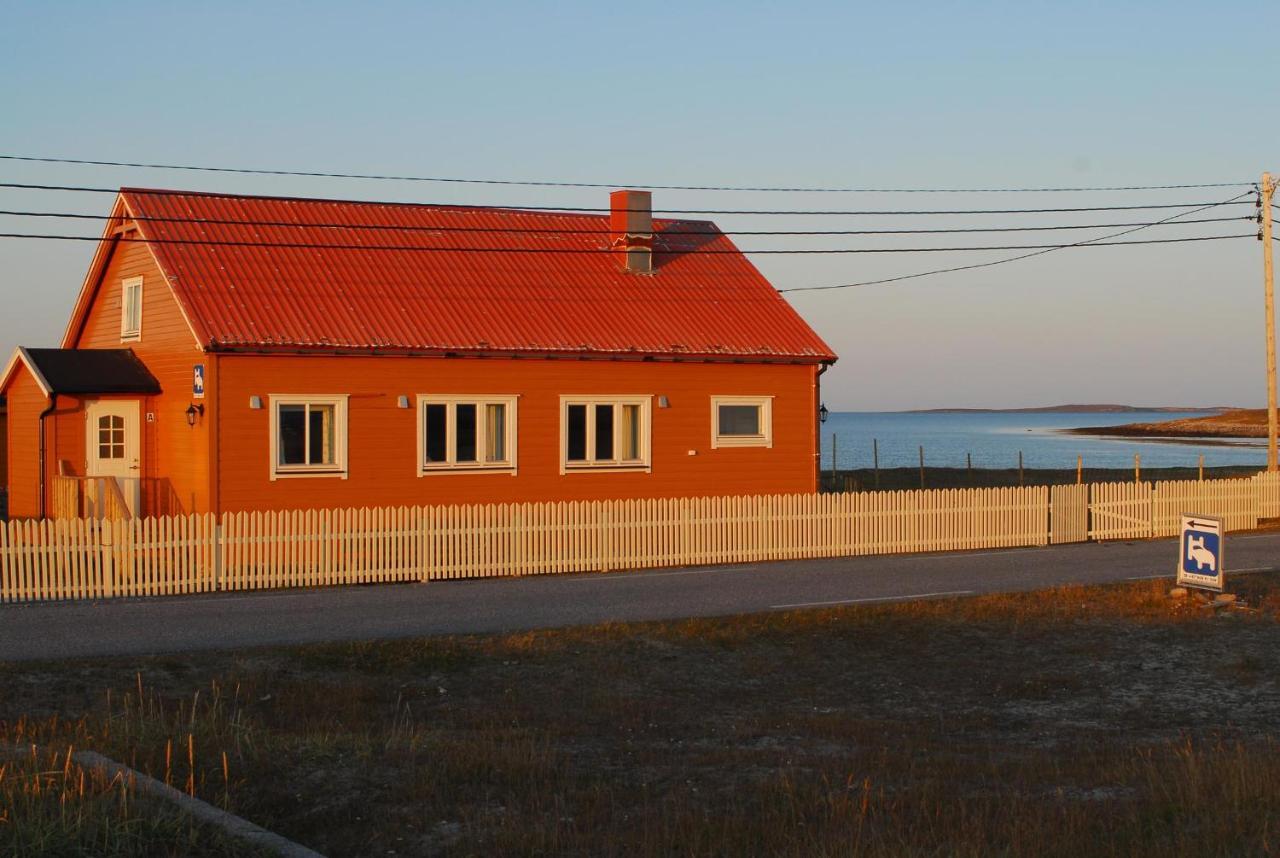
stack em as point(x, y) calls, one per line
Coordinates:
point(233, 620)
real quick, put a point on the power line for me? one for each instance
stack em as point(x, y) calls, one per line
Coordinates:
point(572, 209)
point(562, 250)
point(600, 230)
point(1088, 243)
point(562, 184)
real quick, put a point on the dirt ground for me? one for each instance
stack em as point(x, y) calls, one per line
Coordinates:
point(1110, 721)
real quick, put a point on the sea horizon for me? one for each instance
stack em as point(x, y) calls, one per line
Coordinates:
point(995, 438)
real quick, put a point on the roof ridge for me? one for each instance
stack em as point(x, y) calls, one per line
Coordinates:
point(463, 207)
point(355, 299)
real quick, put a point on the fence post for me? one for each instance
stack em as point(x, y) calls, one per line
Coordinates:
point(606, 535)
point(875, 459)
point(424, 542)
point(1079, 469)
point(1137, 467)
point(686, 534)
point(1201, 467)
point(1020, 478)
point(217, 555)
point(922, 466)
point(834, 472)
point(107, 554)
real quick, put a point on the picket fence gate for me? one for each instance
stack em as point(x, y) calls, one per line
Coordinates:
point(94, 559)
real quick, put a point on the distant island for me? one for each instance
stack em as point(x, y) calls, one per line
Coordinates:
point(1095, 408)
point(1233, 423)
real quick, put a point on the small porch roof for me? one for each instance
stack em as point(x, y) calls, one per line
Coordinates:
point(83, 371)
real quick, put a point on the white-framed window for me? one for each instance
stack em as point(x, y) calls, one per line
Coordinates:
point(741, 421)
point(604, 432)
point(460, 433)
point(308, 436)
point(131, 309)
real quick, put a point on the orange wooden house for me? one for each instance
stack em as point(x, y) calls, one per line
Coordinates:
point(4, 455)
point(234, 353)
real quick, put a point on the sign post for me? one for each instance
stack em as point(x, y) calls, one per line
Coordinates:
point(1200, 553)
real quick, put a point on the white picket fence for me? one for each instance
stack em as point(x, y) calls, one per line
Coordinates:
point(1120, 511)
point(90, 559)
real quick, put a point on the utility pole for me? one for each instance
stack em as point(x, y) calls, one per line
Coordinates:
point(1266, 191)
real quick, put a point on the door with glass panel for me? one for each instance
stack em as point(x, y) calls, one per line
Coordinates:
point(113, 451)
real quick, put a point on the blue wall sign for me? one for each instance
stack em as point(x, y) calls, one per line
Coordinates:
point(1200, 556)
point(197, 382)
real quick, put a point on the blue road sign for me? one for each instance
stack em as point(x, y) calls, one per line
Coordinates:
point(1200, 561)
point(197, 382)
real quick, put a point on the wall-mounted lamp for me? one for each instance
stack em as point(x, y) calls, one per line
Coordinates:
point(255, 402)
point(822, 413)
point(193, 411)
point(402, 402)
point(663, 402)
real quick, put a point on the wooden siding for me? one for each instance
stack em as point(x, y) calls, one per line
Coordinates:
point(25, 402)
point(67, 437)
point(383, 447)
point(175, 462)
point(4, 446)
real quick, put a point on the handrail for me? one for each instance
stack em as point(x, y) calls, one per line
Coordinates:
point(89, 497)
point(114, 505)
point(67, 502)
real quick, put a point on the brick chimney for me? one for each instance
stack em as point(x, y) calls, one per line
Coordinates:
point(631, 229)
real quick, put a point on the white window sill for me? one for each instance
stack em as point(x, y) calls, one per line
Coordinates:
point(741, 441)
point(572, 468)
point(467, 469)
point(291, 475)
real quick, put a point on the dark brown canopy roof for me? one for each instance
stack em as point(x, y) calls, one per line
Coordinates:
point(90, 371)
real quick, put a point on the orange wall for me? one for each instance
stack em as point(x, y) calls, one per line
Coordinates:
point(175, 460)
point(4, 447)
point(382, 437)
point(26, 401)
point(66, 436)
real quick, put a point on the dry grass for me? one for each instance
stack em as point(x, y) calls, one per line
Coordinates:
point(52, 805)
point(1108, 721)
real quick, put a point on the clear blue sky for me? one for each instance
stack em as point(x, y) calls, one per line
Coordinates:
point(920, 94)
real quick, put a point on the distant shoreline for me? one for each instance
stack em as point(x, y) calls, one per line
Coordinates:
point(1078, 409)
point(1236, 423)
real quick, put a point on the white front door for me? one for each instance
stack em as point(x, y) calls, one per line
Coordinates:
point(113, 446)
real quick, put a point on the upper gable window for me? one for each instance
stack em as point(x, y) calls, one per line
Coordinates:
point(131, 309)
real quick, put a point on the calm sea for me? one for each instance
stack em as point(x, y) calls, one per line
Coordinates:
point(994, 440)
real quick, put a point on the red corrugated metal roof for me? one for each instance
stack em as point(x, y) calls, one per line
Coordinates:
point(263, 297)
